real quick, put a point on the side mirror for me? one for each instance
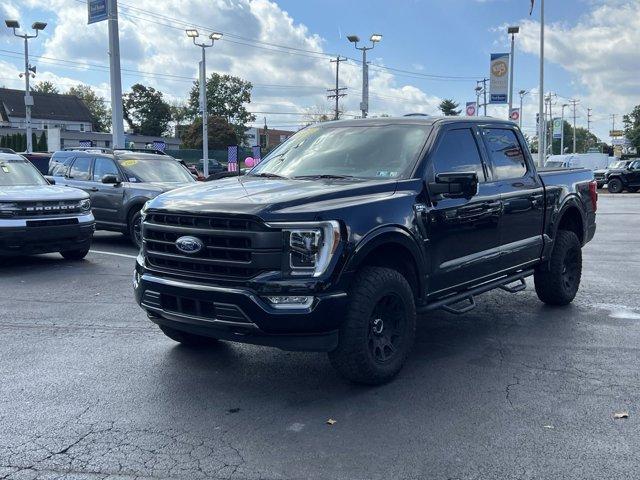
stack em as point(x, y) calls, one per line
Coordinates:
point(110, 179)
point(455, 184)
point(50, 180)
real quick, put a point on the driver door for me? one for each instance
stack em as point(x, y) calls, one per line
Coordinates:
point(106, 198)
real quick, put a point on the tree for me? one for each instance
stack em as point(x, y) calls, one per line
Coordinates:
point(317, 114)
point(146, 111)
point(448, 107)
point(45, 87)
point(221, 134)
point(632, 127)
point(100, 114)
point(226, 97)
point(584, 139)
point(42, 143)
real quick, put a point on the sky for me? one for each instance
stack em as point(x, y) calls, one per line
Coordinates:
point(431, 49)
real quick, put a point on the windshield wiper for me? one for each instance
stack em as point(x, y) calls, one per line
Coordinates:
point(324, 175)
point(266, 175)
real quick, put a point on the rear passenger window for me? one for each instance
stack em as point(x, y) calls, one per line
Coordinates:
point(458, 152)
point(80, 168)
point(505, 152)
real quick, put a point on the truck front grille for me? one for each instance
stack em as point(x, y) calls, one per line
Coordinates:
point(48, 207)
point(233, 248)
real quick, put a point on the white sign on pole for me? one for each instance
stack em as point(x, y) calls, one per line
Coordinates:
point(557, 128)
point(499, 78)
point(514, 114)
point(471, 109)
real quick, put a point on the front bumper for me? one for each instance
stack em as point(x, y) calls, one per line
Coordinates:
point(239, 314)
point(45, 234)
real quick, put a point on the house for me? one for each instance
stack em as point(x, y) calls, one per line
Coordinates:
point(266, 138)
point(49, 110)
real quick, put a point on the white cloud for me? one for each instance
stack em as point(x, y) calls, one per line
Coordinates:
point(600, 50)
point(150, 41)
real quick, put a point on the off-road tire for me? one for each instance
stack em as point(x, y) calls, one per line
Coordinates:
point(188, 339)
point(615, 185)
point(557, 281)
point(357, 355)
point(75, 255)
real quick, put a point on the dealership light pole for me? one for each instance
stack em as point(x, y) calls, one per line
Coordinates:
point(542, 127)
point(115, 77)
point(511, 31)
point(193, 34)
point(562, 128)
point(375, 38)
point(522, 93)
point(28, 99)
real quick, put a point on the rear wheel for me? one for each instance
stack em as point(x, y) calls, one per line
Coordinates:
point(615, 185)
point(378, 332)
point(188, 339)
point(558, 280)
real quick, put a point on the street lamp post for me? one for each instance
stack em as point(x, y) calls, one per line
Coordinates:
point(375, 38)
point(478, 90)
point(193, 34)
point(522, 93)
point(28, 99)
point(511, 31)
point(542, 127)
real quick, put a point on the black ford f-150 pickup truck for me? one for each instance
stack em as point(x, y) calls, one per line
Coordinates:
point(36, 217)
point(349, 229)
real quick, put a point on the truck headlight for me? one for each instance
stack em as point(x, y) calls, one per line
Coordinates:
point(309, 246)
point(8, 209)
point(85, 205)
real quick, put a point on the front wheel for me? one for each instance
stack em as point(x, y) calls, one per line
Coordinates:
point(557, 281)
point(188, 339)
point(615, 185)
point(378, 332)
point(134, 230)
point(75, 255)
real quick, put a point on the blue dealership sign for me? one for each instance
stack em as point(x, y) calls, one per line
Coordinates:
point(98, 10)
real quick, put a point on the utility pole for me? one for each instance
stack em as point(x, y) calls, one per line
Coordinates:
point(522, 93)
point(574, 103)
point(375, 38)
point(562, 129)
point(589, 120)
point(337, 92)
point(28, 99)
point(117, 122)
point(542, 128)
point(482, 90)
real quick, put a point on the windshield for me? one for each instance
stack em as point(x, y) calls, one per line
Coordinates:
point(155, 170)
point(19, 173)
point(618, 165)
point(554, 164)
point(384, 151)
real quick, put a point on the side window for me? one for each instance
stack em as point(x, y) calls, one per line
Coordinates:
point(458, 152)
point(80, 168)
point(104, 166)
point(505, 152)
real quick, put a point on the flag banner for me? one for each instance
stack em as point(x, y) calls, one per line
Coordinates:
point(471, 109)
point(514, 114)
point(557, 128)
point(86, 143)
point(232, 158)
point(97, 11)
point(499, 78)
point(256, 153)
point(159, 145)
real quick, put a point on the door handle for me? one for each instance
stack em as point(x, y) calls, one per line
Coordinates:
point(93, 189)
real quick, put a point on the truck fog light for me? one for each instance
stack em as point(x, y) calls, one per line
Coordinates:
point(290, 301)
point(136, 278)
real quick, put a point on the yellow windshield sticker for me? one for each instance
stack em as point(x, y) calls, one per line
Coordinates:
point(128, 163)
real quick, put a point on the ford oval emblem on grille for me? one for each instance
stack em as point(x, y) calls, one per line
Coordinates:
point(189, 244)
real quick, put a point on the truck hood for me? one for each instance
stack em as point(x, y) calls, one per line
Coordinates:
point(157, 187)
point(269, 197)
point(40, 192)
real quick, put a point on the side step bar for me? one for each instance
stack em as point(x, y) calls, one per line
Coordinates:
point(447, 303)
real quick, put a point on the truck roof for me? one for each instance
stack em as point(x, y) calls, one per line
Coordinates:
point(414, 120)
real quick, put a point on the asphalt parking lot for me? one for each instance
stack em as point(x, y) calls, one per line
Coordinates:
point(91, 389)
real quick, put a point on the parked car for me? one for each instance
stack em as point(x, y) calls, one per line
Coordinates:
point(40, 160)
point(120, 184)
point(600, 174)
point(349, 229)
point(624, 177)
point(6, 150)
point(36, 217)
point(592, 161)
